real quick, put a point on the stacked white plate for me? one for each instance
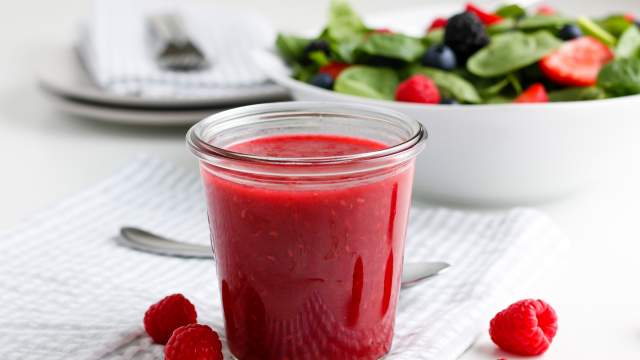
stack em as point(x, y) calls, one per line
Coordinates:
point(65, 81)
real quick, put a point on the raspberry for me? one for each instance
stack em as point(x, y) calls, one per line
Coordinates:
point(525, 328)
point(418, 88)
point(193, 342)
point(163, 317)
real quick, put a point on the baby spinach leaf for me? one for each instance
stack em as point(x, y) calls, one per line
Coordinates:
point(591, 28)
point(514, 80)
point(344, 22)
point(433, 37)
point(621, 77)
point(455, 86)
point(513, 11)
point(616, 25)
point(577, 94)
point(291, 47)
point(345, 30)
point(394, 46)
point(499, 99)
point(505, 25)
point(539, 22)
point(304, 73)
point(629, 43)
point(494, 88)
point(511, 51)
point(368, 81)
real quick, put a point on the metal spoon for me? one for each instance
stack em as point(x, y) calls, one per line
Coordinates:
point(146, 241)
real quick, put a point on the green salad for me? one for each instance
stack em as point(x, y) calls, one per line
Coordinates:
point(510, 54)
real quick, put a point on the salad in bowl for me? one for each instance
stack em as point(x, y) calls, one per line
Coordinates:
point(477, 56)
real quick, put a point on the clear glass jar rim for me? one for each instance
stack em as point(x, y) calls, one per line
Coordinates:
point(207, 152)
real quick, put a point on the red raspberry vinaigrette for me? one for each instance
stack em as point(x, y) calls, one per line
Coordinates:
point(309, 267)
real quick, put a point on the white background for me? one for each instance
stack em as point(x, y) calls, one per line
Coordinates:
point(46, 156)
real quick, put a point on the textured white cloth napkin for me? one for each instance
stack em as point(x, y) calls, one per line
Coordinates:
point(67, 291)
point(115, 48)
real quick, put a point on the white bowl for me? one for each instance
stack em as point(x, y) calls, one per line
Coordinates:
point(497, 154)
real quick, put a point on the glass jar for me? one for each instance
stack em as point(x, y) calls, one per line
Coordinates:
point(308, 204)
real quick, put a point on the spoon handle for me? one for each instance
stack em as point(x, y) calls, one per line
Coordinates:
point(142, 240)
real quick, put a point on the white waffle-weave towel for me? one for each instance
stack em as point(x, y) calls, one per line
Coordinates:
point(67, 291)
point(115, 48)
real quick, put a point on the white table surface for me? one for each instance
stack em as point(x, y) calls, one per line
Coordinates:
point(46, 156)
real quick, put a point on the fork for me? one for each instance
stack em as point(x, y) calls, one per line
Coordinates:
point(174, 49)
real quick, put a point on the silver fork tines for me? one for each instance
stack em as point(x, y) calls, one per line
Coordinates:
point(173, 48)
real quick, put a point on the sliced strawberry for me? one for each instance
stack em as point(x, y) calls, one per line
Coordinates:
point(576, 62)
point(437, 23)
point(630, 17)
point(383, 31)
point(333, 69)
point(487, 18)
point(546, 10)
point(534, 94)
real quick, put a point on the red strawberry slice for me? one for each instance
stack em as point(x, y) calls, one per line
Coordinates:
point(576, 62)
point(437, 23)
point(487, 18)
point(546, 10)
point(333, 69)
point(534, 94)
point(383, 31)
point(630, 17)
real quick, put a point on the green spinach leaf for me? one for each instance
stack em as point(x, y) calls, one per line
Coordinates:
point(616, 25)
point(621, 77)
point(499, 99)
point(451, 84)
point(511, 51)
point(540, 22)
point(368, 81)
point(345, 30)
point(513, 11)
point(291, 47)
point(577, 94)
point(433, 37)
point(505, 25)
point(629, 43)
point(394, 46)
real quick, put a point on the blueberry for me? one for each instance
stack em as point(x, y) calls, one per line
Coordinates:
point(448, 101)
point(637, 22)
point(570, 32)
point(322, 80)
point(313, 46)
point(441, 57)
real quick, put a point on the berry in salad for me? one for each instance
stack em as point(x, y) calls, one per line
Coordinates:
point(534, 94)
point(569, 32)
point(419, 89)
point(576, 62)
point(487, 18)
point(440, 56)
point(322, 80)
point(465, 34)
point(437, 23)
point(479, 56)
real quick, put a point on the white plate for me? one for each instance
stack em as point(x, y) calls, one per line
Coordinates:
point(132, 116)
point(63, 74)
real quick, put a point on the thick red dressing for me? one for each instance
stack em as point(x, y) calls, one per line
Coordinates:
point(289, 146)
point(309, 273)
